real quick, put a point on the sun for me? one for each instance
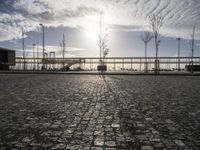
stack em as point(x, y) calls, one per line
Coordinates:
point(93, 28)
point(92, 33)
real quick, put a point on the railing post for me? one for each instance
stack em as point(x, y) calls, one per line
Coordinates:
point(131, 64)
point(114, 65)
point(90, 64)
point(156, 67)
point(123, 64)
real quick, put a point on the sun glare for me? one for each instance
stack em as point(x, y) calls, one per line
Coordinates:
point(92, 29)
point(92, 33)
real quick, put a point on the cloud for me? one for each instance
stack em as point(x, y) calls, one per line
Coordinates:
point(70, 51)
point(124, 15)
point(11, 26)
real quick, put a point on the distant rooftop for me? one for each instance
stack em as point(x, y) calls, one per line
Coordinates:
point(5, 49)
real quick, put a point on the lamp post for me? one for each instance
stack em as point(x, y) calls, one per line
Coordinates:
point(179, 40)
point(52, 56)
point(43, 46)
point(37, 55)
point(23, 45)
point(34, 56)
point(100, 39)
point(157, 63)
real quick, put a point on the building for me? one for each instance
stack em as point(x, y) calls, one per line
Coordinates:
point(7, 58)
point(194, 67)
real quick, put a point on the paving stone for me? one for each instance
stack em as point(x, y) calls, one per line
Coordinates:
point(59, 146)
point(149, 119)
point(110, 148)
point(179, 143)
point(99, 142)
point(92, 112)
point(96, 148)
point(169, 121)
point(146, 148)
point(115, 125)
point(110, 143)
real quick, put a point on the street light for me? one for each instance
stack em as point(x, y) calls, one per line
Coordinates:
point(37, 55)
point(43, 46)
point(179, 39)
point(34, 56)
point(23, 45)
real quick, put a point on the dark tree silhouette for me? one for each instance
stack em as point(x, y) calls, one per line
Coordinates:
point(192, 43)
point(102, 42)
point(179, 45)
point(23, 48)
point(63, 48)
point(104, 45)
point(105, 53)
point(156, 22)
point(146, 37)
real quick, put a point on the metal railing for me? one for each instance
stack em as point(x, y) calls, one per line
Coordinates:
point(137, 64)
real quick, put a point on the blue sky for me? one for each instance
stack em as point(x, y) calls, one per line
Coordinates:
point(123, 20)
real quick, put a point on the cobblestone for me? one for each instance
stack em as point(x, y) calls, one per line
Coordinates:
point(91, 112)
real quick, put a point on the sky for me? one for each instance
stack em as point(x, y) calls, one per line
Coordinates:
point(123, 21)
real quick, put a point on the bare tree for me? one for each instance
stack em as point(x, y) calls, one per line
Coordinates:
point(156, 22)
point(63, 48)
point(106, 52)
point(102, 42)
point(192, 43)
point(179, 47)
point(23, 48)
point(104, 45)
point(146, 37)
point(100, 38)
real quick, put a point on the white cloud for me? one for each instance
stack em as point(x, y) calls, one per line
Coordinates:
point(11, 26)
point(70, 51)
point(125, 15)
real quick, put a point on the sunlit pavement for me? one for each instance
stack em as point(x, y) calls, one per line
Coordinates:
point(93, 112)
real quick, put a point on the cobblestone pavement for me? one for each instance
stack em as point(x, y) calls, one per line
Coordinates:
point(90, 112)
